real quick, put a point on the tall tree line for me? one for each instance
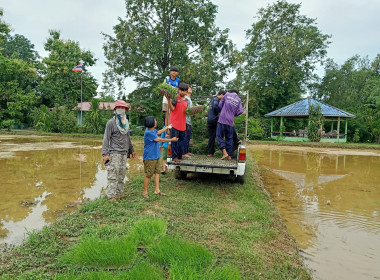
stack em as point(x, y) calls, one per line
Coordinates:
point(28, 81)
point(276, 66)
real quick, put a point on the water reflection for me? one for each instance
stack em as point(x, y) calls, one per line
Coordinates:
point(42, 176)
point(331, 205)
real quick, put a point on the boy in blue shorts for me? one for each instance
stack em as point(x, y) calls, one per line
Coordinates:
point(151, 154)
point(164, 149)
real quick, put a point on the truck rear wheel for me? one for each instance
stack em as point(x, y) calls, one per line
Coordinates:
point(180, 175)
point(240, 179)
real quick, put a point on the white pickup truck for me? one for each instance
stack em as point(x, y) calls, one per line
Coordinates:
point(204, 164)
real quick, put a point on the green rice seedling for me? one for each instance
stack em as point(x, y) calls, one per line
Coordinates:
point(179, 271)
point(172, 250)
point(146, 231)
point(165, 89)
point(145, 271)
point(92, 275)
point(93, 252)
point(140, 271)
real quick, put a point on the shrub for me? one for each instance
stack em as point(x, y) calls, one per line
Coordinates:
point(138, 131)
point(8, 124)
point(316, 123)
point(41, 118)
point(94, 122)
point(63, 121)
point(356, 137)
point(255, 131)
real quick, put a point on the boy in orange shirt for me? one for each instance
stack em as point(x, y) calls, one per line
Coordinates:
point(178, 120)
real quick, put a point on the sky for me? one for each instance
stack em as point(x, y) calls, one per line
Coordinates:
point(353, 24)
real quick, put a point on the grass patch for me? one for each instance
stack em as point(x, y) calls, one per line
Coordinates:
point(228, 231)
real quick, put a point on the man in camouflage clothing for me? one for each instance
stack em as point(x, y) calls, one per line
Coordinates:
point(117, 146)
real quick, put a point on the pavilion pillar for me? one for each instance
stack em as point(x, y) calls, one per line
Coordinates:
point(345, 131)
point(281, 125)
point(337, 137)
point(271, 127)
point(332, 126)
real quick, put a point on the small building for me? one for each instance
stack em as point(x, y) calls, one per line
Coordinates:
point(85, 107)
point(300, 110)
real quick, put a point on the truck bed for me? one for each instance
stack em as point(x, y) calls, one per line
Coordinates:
point(205, 161)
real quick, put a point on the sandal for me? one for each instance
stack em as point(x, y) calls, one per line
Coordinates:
point(160, 193)
point(145, 195)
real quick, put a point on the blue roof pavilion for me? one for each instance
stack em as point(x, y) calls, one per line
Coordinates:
point(300, 110)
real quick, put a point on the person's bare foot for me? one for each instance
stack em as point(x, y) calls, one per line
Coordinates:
point(224, 157)
point(210, 155)
point(186, 156)
point(176, 160)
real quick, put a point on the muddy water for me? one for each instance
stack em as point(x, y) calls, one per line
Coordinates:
point(42, 176)
point(330, 202)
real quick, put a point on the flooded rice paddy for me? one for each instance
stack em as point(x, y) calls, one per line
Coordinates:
point(330, 201)
point(42, 176)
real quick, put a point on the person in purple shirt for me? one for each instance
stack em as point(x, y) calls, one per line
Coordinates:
point(230, 106)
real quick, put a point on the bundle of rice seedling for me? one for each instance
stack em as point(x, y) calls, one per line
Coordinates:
point(167, 90)
point(196, 109)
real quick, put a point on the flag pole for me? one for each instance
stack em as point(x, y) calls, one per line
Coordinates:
point(79, 68)
point(81, 102)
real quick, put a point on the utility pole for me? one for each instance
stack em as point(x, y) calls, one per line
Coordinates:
point(246, 118)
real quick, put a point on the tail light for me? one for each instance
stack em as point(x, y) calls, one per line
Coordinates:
point(169, 150)
point(242, 154)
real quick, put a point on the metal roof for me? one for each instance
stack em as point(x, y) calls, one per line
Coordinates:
point(301, 109)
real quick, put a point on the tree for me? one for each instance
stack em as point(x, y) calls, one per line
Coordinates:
point(354, 87)
point(4, 27)
point(283, 50)
point(60, 85)
point(17, 85)
point(18, 46)
point(157, 34)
